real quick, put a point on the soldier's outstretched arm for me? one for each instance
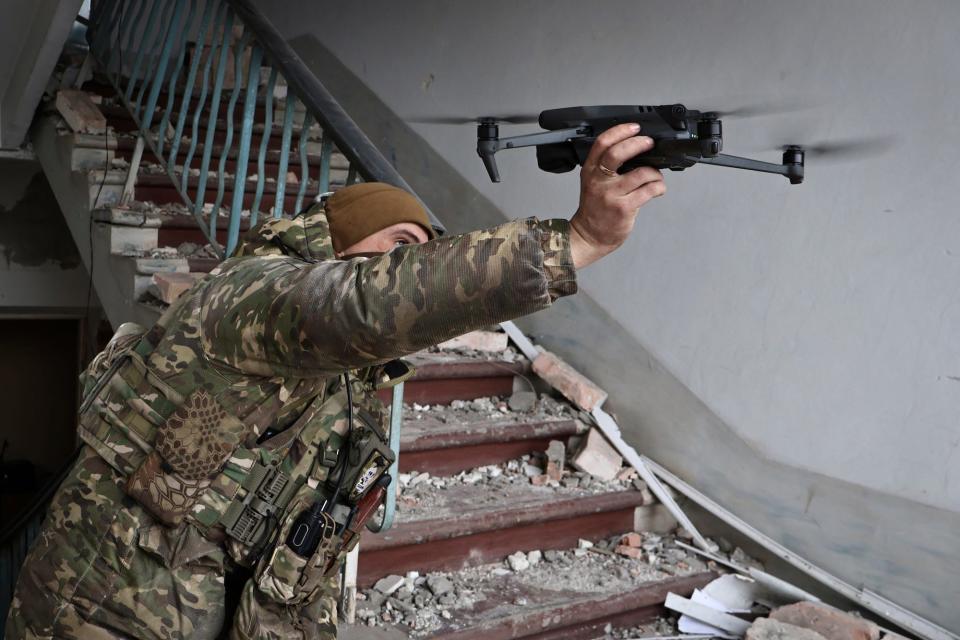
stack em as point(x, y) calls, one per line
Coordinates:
point(283, 317)
point(280, 316)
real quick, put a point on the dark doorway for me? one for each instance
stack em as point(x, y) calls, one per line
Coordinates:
point(39, 365)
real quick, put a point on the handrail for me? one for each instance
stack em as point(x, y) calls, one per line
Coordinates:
point(346, 135)
point(225, 68)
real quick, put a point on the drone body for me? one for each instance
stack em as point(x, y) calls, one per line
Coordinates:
point(682, 137)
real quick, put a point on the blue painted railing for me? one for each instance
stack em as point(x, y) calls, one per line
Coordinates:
point(211, 82)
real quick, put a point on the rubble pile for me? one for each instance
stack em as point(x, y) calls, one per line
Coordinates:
point(521, 402)
point(420, 492)
point(423, 603)
point(508, 354)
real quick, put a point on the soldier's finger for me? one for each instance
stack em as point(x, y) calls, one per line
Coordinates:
point(632, 180)
point(622, 151)
point(607, 139)
point(640, 196)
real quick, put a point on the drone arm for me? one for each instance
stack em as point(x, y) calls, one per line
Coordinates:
point(486, 147)
point(793, 171)
point(534, 139)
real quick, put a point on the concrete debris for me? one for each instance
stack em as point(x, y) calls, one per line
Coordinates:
point(157, 253)
point(571, 383)
point(431, 600)
point(484, 341)
point(597, 457)
point(556, 459)
point(531, 470)
point(423, 493)
point(518, 561)
point(488, 407)
point(508, 354)
point(389, 584)
point(193, 250)
point(79, 111)
point(522, 401)
point(439, 585)
point(827, 621)
point(767, 629)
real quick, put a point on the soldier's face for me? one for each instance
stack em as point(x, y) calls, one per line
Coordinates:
point(395, 235)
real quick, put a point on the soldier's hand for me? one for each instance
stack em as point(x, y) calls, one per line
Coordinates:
point(609, 202)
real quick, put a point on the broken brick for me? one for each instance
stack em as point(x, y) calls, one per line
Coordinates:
point(631, 540)
point(629, 552)
point(540, 480)
point(170, 286)
point(597, 457)
point(79, 111)
point(827, 621)
point(767, 629)
point(568, 381)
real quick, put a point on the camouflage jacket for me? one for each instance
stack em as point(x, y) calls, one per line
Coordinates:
point(261, 342)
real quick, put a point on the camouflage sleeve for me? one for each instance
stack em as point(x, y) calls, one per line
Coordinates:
point(283, 317)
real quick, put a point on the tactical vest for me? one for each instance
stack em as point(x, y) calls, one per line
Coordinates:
point(186, 459)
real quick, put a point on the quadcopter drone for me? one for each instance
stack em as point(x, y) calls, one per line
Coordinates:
point(682, 137)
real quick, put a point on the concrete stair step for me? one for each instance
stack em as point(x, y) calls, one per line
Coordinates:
point(443, 377)
point(271, 158)
point(570, 597)
point(445, 448)
point(118, 118)
point(469, 524)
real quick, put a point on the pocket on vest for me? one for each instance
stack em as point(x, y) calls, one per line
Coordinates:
point(191, 447)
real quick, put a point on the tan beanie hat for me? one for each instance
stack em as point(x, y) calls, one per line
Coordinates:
point(361, 210)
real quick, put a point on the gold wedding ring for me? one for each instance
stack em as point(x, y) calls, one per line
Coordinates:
point(606, 171)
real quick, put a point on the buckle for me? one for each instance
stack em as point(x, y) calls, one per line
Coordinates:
point(245, 519)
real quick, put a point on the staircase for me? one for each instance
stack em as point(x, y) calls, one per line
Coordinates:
point(209, 123)
point(127, 239)
point(472, 494)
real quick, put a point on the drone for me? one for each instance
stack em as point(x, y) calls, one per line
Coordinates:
point(682, 138)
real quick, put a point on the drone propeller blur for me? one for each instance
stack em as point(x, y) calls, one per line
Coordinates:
point(682, 137)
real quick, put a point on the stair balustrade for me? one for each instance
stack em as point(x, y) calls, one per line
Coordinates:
point(180, 66)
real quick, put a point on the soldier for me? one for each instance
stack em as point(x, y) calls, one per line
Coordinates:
point(239, 440)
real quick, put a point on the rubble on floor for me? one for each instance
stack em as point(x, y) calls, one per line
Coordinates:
point(424, 603)
point(479, 348)
point(532, 406)
point(737, 606)
point(423, 492)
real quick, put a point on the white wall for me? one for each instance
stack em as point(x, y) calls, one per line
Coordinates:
point(821, 322)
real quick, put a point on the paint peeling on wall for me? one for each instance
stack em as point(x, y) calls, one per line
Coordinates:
point(32, 230)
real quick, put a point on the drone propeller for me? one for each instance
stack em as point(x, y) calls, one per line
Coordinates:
point(524, 118)
point(756, 109)
point(846, 149)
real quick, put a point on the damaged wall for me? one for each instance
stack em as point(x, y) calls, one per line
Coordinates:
point(40, 267)
point(790, 350)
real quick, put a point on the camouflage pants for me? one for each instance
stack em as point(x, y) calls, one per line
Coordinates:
point(103, 568)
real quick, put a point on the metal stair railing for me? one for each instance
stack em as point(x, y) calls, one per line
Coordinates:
point(203, 53)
